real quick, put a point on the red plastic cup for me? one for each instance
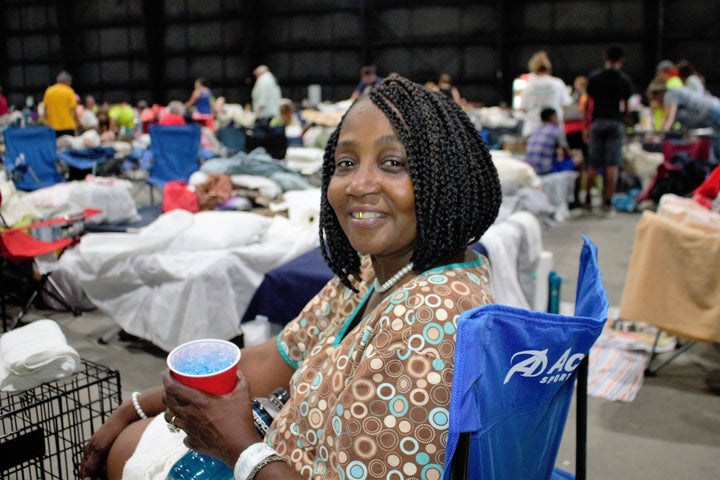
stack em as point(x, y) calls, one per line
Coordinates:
point(207, 364)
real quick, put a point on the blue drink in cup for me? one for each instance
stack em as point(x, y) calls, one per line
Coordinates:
point(208, 365)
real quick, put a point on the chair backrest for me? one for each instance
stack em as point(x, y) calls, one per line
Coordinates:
point(232, 138)
point(514, 379)
point(698, 149)
point(31, 157)
point(175, 150)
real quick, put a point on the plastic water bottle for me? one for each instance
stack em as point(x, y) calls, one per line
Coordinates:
point(256, 331)
point(554, 283)
point(196, 466)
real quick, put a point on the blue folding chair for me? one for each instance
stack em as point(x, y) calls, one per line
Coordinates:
point(175, 151)
point(514, 378)
point(86, 159)
point(31, 157)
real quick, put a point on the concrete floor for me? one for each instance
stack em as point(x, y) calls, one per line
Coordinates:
point(670, 431)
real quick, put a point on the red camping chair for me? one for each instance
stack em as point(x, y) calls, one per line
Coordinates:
point(698, 148)
point(20, 282)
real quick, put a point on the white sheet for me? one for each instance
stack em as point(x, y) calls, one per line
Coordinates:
point(155, 287)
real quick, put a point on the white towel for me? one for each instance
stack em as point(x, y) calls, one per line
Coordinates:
point(502, 242)
point(35, 354)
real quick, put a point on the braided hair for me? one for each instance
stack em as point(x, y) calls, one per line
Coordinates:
point(456, 185)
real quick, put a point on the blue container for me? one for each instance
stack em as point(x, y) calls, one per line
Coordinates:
point(554, 283)
point(196, 466)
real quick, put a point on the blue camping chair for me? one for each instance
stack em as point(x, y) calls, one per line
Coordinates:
point(175, 151)
point(514, 377)
point(31, 157)
point(87, 158)
point(34, 160)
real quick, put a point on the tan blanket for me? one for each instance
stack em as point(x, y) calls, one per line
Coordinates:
point(673, 279)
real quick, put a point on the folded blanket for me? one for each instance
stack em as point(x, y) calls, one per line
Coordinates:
point(673, 281)
point(34, 354)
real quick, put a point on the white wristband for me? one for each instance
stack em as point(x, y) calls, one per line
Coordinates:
point(136, 403)
point(250, 458)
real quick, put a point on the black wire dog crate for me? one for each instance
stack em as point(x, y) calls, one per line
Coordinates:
point(44, 430)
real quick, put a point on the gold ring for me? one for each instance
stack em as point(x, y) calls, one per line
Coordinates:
point(171, 425)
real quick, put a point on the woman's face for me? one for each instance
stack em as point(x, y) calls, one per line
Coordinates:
point(371, 190)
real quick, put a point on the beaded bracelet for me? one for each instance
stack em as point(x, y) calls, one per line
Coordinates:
point(263, 464)
point(136, 403)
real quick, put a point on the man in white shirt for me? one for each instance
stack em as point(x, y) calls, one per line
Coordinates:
point(265, 96)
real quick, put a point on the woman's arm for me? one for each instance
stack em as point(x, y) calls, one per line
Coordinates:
point(264, 368)
point(193, 97)
point(97, 449)
point(456, 95)
point(222, 425)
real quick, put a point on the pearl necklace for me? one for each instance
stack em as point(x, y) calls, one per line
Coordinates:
point(392, 280)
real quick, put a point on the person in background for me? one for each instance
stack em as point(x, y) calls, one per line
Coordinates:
point(4, 110)
point(690, 77)
point(104, 122)
point(266, 96)
point(201, 99)
point(4, 107)
point(574, 125)
point(547, 148)
point(609, 89)
point(667, 73)
point(174, 114)
point(288, 115)
point(446, 87)
point(201, 104)
point(122, 120)
point(289, 120)
point(688, 107)
point(59, 102)
point(542, 91)
point(88, 114)
point(430, 85)
point(407, 186)
point(368, 79)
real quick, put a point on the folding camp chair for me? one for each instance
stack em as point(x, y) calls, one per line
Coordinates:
point(31, 157)
point(233, 139)
point(20, 282)
point(175, 151)
point(81, 161)
point(685, 165)
point(513, 383)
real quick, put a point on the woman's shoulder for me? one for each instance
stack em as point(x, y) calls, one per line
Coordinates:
point(455, 286)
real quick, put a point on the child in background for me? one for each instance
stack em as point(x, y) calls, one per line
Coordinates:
point(547, 148)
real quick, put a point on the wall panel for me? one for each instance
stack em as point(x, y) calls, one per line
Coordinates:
point(154, 49)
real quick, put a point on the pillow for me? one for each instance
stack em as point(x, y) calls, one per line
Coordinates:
point(213, 230)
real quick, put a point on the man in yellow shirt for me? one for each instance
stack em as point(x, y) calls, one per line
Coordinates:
point(60, 102)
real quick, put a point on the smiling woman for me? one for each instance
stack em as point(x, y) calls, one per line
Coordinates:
point(407, 186)
point(420, 148)
point(371, 191)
